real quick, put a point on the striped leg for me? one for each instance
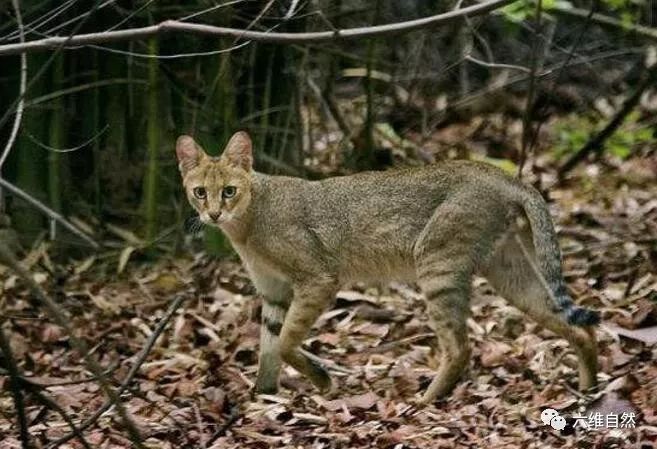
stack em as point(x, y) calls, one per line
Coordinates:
point(447, 294)
point(269, 363)
point(513, 277)
point(276, 300)
point(310, 300)
point(456, 239)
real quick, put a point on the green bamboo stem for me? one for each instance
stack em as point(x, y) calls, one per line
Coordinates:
point(150, 199)
point(57, 130)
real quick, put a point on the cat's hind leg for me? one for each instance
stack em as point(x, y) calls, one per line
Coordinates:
point(447, 252)
point(513, 276)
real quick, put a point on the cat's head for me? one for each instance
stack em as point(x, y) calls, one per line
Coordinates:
point(219, 188)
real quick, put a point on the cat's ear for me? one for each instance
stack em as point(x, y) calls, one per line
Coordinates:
point(239, 151)
point(188, 152)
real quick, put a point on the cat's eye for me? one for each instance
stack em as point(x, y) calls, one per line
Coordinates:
point(200, 192)
point(229, 191)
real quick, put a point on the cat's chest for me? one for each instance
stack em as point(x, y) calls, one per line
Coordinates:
point(258, 263)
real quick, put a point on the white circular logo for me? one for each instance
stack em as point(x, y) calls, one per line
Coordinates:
point(547, 415)
point(558, 423)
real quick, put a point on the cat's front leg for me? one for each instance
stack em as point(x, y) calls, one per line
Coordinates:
point(276, 300)
point(269, 363)
point(310, 300)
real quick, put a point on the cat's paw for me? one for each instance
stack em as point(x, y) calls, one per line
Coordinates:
point(320, 377)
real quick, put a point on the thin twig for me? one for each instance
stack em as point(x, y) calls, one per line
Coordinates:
point(175, 304)
point(234, 414)
point(495, 65)
point(555, 68)
point(85, 16)
point(536, 269)
point(21, 104)
point(601, 19)
point(79, 88)
point(207, 10)
point(258, 36)
point(16, 389)
point(290, 12)
point(580, 37)
point(175, 56)
point(67, 150)
point(48, 211)
point(531, 91)
point(596, 143)
point(60, 318)
point(48, 402)
point(41, 21)
point(30, 381)
point(63, 41)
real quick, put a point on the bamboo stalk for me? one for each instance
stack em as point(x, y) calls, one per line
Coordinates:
point(153, 146)
point(95, 149)
point(56, 140)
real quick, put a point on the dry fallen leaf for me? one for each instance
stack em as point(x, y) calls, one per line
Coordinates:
point(362, 401)
point(494, 353)
point(646, 335)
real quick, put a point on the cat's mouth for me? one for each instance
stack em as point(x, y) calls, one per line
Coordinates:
point(215, 219)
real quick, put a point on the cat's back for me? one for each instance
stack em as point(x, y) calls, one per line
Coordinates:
point(430, 183)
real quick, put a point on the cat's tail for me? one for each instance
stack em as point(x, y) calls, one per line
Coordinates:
point(548, 256)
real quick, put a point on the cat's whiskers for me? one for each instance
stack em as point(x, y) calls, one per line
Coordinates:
point(194, 225)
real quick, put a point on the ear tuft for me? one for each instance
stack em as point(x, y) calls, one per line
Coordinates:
point(239, 151)
point(188, 153)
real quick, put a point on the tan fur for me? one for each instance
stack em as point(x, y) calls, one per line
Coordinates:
point(437, 225)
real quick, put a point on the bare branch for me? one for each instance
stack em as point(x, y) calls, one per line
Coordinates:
point(602, 19)
point(534, 135)
point(495, 65)
point(22, 88)
point(81, 87)
point(175, 304)
point(48, 211)
point(531, 92)
point(596, 143)
point(44, 67)
point(16, 389)
point(50, 403)
point(70, 149)
point(40, 21)
point(36, 390)
point(62, 320)
point(257, 36)
point(290, 12)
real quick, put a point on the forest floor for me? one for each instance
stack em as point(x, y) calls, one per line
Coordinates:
point(194, 389)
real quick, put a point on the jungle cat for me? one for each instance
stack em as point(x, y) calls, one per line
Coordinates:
point(436, 225)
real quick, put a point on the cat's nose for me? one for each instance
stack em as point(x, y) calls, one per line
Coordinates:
point(214, 216)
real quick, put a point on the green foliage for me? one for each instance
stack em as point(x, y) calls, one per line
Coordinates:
point(628, 11)
point(151, 179)
point(505, 164)
point(131, 109)
point(519, 11)
point(574, 131)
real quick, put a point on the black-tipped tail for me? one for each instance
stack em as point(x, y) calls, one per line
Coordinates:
point(582, 317)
